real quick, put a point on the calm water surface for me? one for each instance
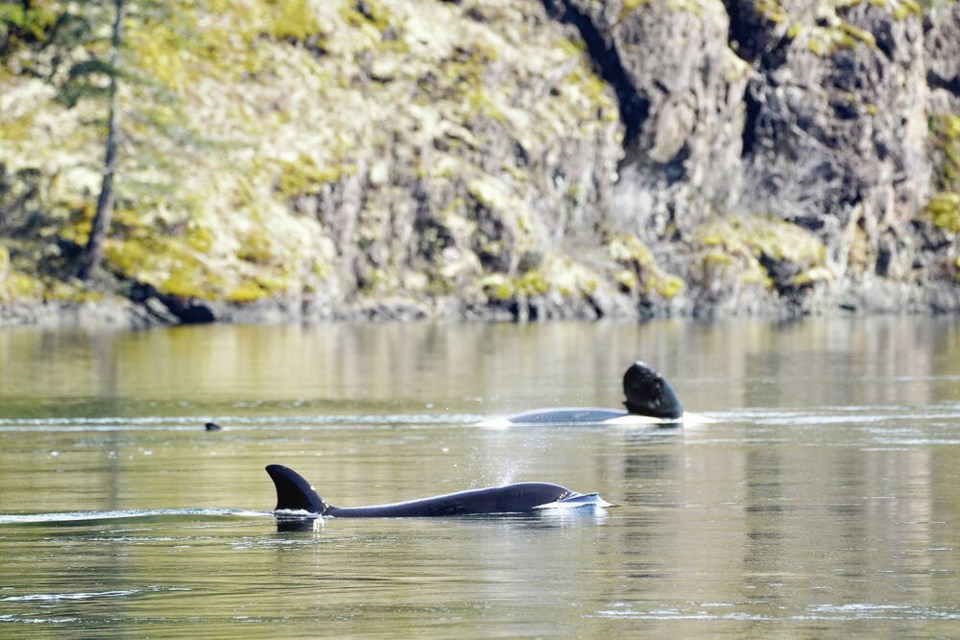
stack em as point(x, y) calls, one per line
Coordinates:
point(824, 500)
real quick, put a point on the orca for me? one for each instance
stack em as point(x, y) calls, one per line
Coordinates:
point(650, 401)
point(297, 499)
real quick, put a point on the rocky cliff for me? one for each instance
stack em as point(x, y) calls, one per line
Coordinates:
point(496, 159)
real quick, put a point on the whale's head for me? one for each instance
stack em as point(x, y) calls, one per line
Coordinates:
point(648, 394)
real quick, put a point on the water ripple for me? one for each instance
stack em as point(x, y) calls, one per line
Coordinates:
point(94, 516)
point(236, 422)
point(57, 597)
point(843, 612)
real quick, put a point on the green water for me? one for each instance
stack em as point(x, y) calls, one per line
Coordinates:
point(823, 501)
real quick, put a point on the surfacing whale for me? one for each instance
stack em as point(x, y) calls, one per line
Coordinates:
point(296, 498)
point(650, 401)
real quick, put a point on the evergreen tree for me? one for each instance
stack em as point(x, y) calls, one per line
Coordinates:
point(92, 253)
point(108, 66)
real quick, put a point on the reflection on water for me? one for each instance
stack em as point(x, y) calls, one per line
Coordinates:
point(338, 368)
point(821, 502)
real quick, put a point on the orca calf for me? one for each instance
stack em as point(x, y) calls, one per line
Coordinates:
point(650, 401)
point(296, 498)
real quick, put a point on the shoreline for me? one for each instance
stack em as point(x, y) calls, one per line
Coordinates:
point(867, 298)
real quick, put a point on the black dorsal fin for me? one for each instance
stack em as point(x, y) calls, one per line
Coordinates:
point(294, 492)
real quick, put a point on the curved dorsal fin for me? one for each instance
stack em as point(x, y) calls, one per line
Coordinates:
point(294, 492)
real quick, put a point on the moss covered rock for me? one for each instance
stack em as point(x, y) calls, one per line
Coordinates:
point(568, 158)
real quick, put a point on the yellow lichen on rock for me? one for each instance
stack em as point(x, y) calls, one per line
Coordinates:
point(944, 211)
point(736, 248)
point(822, 31)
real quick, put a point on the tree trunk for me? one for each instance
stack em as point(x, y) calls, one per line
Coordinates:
point(93, 251)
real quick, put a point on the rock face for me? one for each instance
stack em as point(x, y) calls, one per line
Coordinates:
point(815, 113)
point(837, 132)
point(405, 159)
point(681, 92)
